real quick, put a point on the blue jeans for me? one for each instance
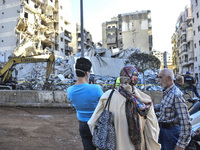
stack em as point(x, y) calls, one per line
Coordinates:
point(86, 136)
point(169, 137)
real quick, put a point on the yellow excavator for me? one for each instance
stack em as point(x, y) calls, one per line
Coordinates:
point(6, 78)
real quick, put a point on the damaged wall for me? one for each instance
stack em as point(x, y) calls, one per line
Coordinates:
point(33, 27)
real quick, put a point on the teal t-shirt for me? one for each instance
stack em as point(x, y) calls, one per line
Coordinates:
point(84, 97)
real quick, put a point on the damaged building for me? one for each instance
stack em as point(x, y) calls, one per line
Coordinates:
point(32, 27)
point(128, 30)
point(76, 40)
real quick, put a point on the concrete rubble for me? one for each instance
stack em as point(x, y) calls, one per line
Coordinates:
point(32, 76)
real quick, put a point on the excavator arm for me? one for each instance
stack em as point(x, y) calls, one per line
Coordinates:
point(7, 70)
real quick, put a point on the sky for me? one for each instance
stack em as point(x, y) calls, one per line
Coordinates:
point(164, 15)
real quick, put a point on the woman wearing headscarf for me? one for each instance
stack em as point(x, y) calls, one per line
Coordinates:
point(136, 125)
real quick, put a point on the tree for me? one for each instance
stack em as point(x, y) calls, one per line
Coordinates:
point(143, 62)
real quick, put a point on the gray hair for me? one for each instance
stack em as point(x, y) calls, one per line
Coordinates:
point(168, 72)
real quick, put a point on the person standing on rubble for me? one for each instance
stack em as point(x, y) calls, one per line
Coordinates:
point(84, 97)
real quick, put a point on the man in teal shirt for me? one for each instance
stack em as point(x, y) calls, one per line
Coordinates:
point(84, 97)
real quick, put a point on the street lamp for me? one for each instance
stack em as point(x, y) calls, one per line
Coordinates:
point(82, 33)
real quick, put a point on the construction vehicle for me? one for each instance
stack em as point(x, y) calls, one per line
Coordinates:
point(8, 80)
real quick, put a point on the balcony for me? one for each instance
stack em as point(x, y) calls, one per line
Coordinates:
point(111, 40)
point(111, 29)
point(68, 49)
point(191, 60)
point(184, 62)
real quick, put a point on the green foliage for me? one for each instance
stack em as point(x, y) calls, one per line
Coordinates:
point(144, 61)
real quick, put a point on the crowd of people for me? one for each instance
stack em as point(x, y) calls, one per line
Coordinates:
point(136, 125)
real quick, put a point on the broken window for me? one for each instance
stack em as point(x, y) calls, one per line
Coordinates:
point(56, 47)
point(36, 6)
point(26, 15)
point(36, 32)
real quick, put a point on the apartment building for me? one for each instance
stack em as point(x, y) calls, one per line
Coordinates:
point(162, 56)
point(174, 54)
point(76, 39)
point(183, 42)
point(128, 30)
point(195, 4)
point(30, 27)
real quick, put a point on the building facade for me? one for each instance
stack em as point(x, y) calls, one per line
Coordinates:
point(174, 54)
point(34, 26)
point(183, 42)
point(76, 39)
point(164, 57)
point(129, 30)
point(195, 4)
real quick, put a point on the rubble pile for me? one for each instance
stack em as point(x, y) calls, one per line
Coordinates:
point(33, 76)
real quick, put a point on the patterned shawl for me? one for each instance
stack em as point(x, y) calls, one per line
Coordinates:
point(134, 107)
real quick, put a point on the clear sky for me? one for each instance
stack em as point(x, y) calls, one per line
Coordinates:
point(164, 14)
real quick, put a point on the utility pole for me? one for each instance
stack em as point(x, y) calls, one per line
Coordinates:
point(82, 33)
point(165, 59)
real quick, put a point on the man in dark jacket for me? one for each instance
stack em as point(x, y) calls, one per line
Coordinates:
point(191, 82)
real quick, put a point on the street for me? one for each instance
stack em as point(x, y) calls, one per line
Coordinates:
point(39, 129)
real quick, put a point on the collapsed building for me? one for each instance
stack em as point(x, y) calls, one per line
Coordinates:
point(106, 66)
point(31, 27)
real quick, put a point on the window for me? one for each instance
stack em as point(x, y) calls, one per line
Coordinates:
point(1, 40)
point(61, 17)
point(61, 28)
point(2, 13)
point(62, 49)
point(199, 68)
point(199, 43)
point(196, 2)
point(198, 28)
point(193, 20)
point(195, 58)
point(61, 39)
point(2, 26)
point(195, 45)
point(61, 7)
point(198, 15)
point(26, 15)
point(188, 45)
point(194, 33)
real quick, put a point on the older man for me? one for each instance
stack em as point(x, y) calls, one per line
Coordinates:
point(179, 81)
point(174, 119)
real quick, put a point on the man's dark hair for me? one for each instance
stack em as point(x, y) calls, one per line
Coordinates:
point(82, 66)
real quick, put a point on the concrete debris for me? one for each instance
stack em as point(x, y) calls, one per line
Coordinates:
point(106, 71)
